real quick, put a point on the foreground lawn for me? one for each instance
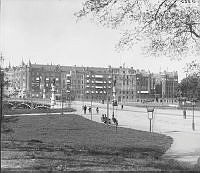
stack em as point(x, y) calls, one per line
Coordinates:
point(71, 142)
point(32, 111)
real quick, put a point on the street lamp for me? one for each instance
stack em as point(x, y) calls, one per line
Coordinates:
point(91, 105)
point(69, 98)
point(114, 102)
point(62, 99)
point(150, 111)
point(184, 109)
point(193, 124)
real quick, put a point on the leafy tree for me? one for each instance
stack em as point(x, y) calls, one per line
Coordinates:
point(193, 68)
point(190, 87)
point(165, 27)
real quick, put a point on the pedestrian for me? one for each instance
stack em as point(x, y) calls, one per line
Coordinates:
point(122, 106)
point(85, 108)
point(97, 109)
point(114, 120)
point(90, 109)
point(102, 118)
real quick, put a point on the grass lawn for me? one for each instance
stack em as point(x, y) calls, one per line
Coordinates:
point(30, 111)
point(71, 142)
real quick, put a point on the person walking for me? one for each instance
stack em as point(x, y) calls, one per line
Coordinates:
point(90, 109)
point(97, 109)
point(85, 108)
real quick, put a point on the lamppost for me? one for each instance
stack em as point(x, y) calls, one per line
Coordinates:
point(62, 99)
point(193, 124)
point(69, 98)
point(108, 97)
point(184, 109)
point(150, 111)
point(91, 105)
point(114, 97)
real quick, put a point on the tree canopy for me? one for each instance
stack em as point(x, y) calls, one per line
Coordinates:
point(193, 69)
point(165, 27)
point(190, 87)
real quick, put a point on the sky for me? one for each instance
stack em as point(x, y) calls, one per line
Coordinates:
point(46, 31)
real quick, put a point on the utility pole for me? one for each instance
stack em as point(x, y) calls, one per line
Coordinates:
point(91, 92)
point(193, 124)
point(91, 106)
point(61, 101)
point(83, 87)
point(108, 98)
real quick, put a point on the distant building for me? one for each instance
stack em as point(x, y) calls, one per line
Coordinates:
point(143, 84)
point(97, 83)
point(125, 84)
point(86, 83)
point(169, 82)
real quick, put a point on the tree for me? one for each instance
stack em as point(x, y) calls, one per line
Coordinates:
point(193, 74)
point(193, 69)
point(165, 27)
point(190, 87)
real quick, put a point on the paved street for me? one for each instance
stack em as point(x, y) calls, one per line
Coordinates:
point(186, 146)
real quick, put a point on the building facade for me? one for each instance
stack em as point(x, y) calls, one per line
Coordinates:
point(86, 83)
point(169, 84)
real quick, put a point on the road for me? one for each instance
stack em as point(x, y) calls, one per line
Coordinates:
point(186, 145)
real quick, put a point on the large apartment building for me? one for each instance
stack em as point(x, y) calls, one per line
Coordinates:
point(86, 83)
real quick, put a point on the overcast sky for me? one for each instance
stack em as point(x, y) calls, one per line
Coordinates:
point(46, 31)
